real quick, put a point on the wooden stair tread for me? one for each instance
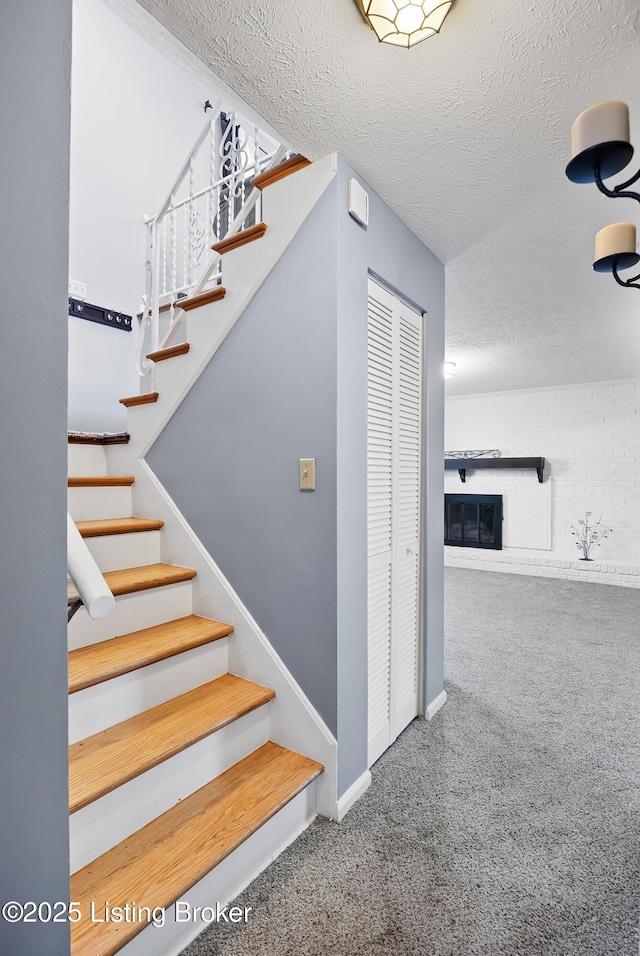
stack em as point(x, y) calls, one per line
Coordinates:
point(146, 398)
point(158, 864)
point(289, 166)
point(140, 579)
point(105, 761)
point(162, 354)
point(100, 481)
point(240, 238)
point(161, 308)
point(203, 298)
point(74, 438)
point(103, 526)
point(120, 655)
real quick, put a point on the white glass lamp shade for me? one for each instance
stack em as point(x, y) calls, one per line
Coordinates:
point(616, 245)
point(449, 369)
point(600, 142)
point(405, 22)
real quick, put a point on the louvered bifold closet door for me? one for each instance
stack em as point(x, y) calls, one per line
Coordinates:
point(379, 509)
point(393, 503)
point(405, 609)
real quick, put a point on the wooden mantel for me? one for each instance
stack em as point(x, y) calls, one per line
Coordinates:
point(463, 465)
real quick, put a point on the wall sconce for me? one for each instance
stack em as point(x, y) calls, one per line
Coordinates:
point(404, 22)
point(616, 249)
point(449, 369)
point(601, 147)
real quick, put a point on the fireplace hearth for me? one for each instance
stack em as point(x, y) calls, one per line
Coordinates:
point(473, 521)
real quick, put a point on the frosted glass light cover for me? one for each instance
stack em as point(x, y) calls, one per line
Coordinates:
point(449, 369)
point(405, 22)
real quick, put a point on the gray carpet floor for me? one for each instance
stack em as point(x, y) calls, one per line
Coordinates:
point(509, 824)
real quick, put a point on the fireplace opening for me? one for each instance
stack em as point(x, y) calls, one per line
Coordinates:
point(473, 521)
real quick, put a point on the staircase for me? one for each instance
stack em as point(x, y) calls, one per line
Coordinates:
point(177, 790)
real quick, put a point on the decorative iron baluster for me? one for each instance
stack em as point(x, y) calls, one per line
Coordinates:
point(257, 209)
point(185, 247)
point(192, 225)
point(174, 247)
point(230, 205)
point(164, 256)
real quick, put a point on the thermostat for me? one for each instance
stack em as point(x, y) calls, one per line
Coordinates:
point(358, 203)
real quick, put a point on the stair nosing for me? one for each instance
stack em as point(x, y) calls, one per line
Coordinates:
point(145, 398)
point(283, 169)
point(119, 439)
point(177, 576)
point(161, 355)
point(137, 729)
point(202, 298)
point(100, 481)
point(239, 239)
point(117, 526)
point(160, 653)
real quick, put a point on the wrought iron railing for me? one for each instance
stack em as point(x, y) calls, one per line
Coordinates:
point(211, 198)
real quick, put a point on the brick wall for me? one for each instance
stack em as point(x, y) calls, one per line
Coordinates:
point(590, 436)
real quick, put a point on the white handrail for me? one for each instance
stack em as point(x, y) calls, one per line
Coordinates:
point(90, 584)
point(184, 169)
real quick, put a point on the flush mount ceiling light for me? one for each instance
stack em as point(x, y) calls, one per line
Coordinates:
point(600, 148)
point(404, 22)
point(449, 369)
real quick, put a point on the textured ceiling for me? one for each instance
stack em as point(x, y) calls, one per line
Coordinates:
point(466, 138)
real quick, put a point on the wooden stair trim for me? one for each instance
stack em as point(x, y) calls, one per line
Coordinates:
point(147, 398)
point(289, 166)
point(143, 578)
point(162, 308)
point(203, 298)
point(100, 662)
point(240, 238)
point(107, 760)
point(162, 354)
point(106, 526)
point(74, 439)
point(100, 481)
point(159, 863)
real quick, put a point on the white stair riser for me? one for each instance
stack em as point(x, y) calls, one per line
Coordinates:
point(108, 821)
point(112, 701)
point(93, 504)
point(224, 883)
point(86, 460)
point(132, 613)
point(113, 552)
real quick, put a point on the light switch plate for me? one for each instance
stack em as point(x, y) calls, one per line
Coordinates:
point(307, 474)
point(77, 289)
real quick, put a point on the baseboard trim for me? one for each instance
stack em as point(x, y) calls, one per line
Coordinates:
point(436, 704)
point(357, 789)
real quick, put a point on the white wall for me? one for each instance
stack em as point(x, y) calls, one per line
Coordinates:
point(137, 107)
point(590, 436)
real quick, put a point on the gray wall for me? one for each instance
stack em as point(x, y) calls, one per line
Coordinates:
point(229, 457)
point(290, 381)
point(391, 251)
point(34, 117)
